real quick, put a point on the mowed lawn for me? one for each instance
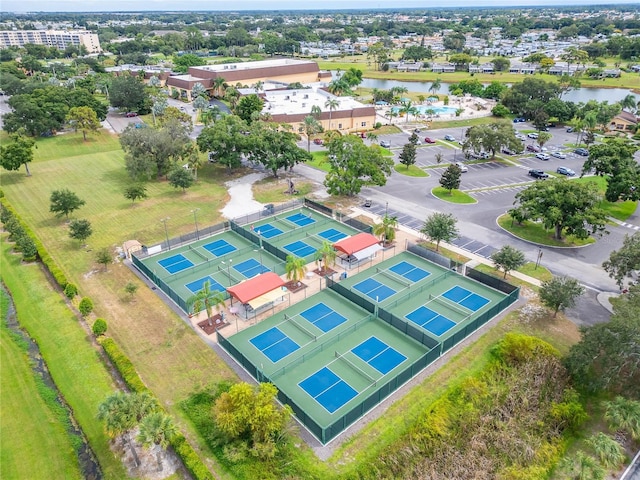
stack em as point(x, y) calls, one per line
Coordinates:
point(73, 362)
point(34, 444)
point(169, 356)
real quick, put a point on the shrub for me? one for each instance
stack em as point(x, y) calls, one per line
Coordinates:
point(85, 306)
point(99, 327)
point(123, 365)
point(190, 459)
point(28, 248)
point(516, 348)
point(70, 291)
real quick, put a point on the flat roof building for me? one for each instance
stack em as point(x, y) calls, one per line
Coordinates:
point(51, 38)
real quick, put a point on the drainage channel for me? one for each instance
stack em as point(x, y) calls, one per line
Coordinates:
point(86, 459)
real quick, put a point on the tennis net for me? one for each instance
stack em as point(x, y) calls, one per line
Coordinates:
point(227, 272)
point(394, 276)
point(201, 255)
point(315, 239)
point(450, 305)
point(300, 327)
point(355, 368)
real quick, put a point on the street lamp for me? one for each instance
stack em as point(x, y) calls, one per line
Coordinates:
point(195, 219)
point(260, 250)
point(166, 232)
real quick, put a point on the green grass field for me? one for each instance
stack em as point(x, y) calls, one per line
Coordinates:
point(412, 171)
point(73, 362)
point(34, 443)
point(453, 196)
point(534, 232)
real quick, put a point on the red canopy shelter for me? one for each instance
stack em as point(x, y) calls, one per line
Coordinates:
point(360, 246)
point(258, 286)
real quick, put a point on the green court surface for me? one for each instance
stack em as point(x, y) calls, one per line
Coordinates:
point(229, 258)
point(339, 353)
point(318, 350)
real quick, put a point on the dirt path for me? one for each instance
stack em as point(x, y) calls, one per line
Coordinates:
point(242, 202)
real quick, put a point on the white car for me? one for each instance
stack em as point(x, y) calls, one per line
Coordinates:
point(385, 144)
point(520, 136)
point(533, 135)
point(463, 168)
point(542, 156)
point(559, 155)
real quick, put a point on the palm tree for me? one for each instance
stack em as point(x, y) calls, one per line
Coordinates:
point(218, 84)
point(408, 109)
point(609, 452)
point(310, 126)
point(629, 103)
point(435, 86)
point(438, 158)
point(582, 467)
point(258, 86)
point(386, 229)
point(121, 412)
point(194, 160)
point(316, 112)
point(372, 137)
point(232, 95)
point(295, 268)
point(623, 415)
point(332, 104)
point(326, 254)
point(207, 299)
point(156, 431)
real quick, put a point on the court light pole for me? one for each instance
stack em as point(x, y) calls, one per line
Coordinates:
point(166, 232)
point(195, 219)
point(228, 265)
point(260, 250)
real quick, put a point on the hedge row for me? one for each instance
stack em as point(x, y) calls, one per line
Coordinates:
point(44, 256)
point(183, 449)
point(123, 365)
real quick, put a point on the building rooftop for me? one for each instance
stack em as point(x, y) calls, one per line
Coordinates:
point(281, 62)
point(293, 102)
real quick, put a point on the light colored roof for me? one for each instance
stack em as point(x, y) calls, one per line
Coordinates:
point(300, 101)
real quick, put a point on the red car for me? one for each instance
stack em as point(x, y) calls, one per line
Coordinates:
point(131, 114)
point(429, 140)
point(318, 141)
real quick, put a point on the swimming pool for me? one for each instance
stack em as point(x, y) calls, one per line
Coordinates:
point(429, 109)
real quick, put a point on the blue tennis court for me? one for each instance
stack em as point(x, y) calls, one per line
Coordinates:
point(176, 263)
point(328, 389)
point(268, 231)
point(274, 344)
point(250, 268)
point(430, 320)
point(196, 286)
point(219, 248)
point(300, 249)
point(466, 298)
point(333, 235)
point(300, 219)
point(323, 317)
point(409, 271)
point(374, 289)
point(379, 355)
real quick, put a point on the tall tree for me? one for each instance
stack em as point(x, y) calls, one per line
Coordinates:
point(327, 254)
point(218, 86)
point(569, 208)
point(128, 93)
point(408, 155)
point(332, 104)
point(310, 126)
point(508, 258)
point(18, 152)
point(295, 268)
point(450, 178)
point(440, 227)
point(560, 293)
point(80, 229)
point(608, 354)
point(386, 229)
point(614, 160)
point(63, 202)
point(274, 148)
point(625, 262)
point(248, 107)
point(83, 119)
point(225, 141)
point(491, 138)
point(354, 165)
point(180, 177)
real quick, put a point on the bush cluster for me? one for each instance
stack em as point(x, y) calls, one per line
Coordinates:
point(99, 327)
point(46, 259)
point(85, 306)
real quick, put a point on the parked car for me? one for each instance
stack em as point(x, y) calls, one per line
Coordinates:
point(565, 171)
point(520, 136)
point(533, 148)
point(429, 140)
point(318, 141)
point(508, 151)
point(559, 155)
point(463, 168)
point(533, 135)
point(450, 138)
point(570, 130)
point(418, 142)
point(582, 151)
point(519, 120)
point(537, 173)
point(385, 144)
point(130, 114)
point(542, 156)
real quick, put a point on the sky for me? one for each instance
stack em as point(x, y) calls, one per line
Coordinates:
point(269, 5)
